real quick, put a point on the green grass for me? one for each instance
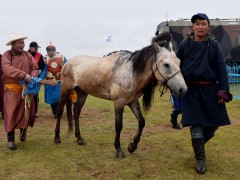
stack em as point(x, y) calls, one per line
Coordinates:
point(163, 153)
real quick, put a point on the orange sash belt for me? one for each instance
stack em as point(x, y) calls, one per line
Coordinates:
point(14, 87)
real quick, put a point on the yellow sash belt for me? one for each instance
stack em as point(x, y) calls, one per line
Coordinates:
point(14, 87)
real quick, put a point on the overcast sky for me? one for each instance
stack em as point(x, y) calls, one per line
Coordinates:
point(80, 27)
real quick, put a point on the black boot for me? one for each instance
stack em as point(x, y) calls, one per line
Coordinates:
point(11, 140)
point(174, 121)
point(198, 147)
point(23, 134)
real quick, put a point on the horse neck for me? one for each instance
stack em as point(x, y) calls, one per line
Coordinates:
point(143, 80)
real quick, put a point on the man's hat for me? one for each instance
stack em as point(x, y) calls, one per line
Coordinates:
point(15, 37)
point(50, 47)
point(199, 16)
point(34, 44)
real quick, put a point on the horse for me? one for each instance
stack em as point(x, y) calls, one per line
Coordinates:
point(122, 77)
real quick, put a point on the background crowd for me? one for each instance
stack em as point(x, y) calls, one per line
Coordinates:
point(18, 69)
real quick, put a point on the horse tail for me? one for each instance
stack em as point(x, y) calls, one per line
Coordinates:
point(148, 95)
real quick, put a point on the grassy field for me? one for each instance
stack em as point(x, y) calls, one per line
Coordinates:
point(163, 153)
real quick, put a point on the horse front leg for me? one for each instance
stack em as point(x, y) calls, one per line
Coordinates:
point(118, 129)
point(135, 107)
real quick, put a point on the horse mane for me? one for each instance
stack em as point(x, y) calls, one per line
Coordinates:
point(116, 52)
point(148, 95)
point(140, 58)
point(163, 39)
point(164, 35)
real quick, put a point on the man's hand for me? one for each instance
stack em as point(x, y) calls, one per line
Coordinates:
point(221, 100)
point(27, 78)
point(224, 96)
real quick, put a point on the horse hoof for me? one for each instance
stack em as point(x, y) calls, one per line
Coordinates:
point(80, 141)
point(132, 147)
point(120, 155)
point(57, 140)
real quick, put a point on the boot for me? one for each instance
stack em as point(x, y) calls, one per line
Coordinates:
point(11, 140)
point(174, 121)
point(23, 134)
point(12, 145)
point(198, 147)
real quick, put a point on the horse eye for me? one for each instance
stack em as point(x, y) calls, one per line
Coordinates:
point(166, 65)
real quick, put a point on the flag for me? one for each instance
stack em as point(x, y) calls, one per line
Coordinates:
point(109, 38)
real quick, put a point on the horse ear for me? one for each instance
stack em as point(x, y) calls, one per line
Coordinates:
point(157, 47)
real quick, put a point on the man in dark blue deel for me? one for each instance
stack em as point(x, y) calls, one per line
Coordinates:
point(204, 70)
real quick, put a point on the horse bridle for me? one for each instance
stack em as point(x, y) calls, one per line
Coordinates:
point(166, 80)
point(163, 86)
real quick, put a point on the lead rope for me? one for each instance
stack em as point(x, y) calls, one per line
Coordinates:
point(27, 102)
point(162, 89)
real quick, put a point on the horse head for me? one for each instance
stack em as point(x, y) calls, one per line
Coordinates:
point(166, 66)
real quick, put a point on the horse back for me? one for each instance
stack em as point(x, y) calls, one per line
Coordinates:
point(91, 74)
point(85, 64)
